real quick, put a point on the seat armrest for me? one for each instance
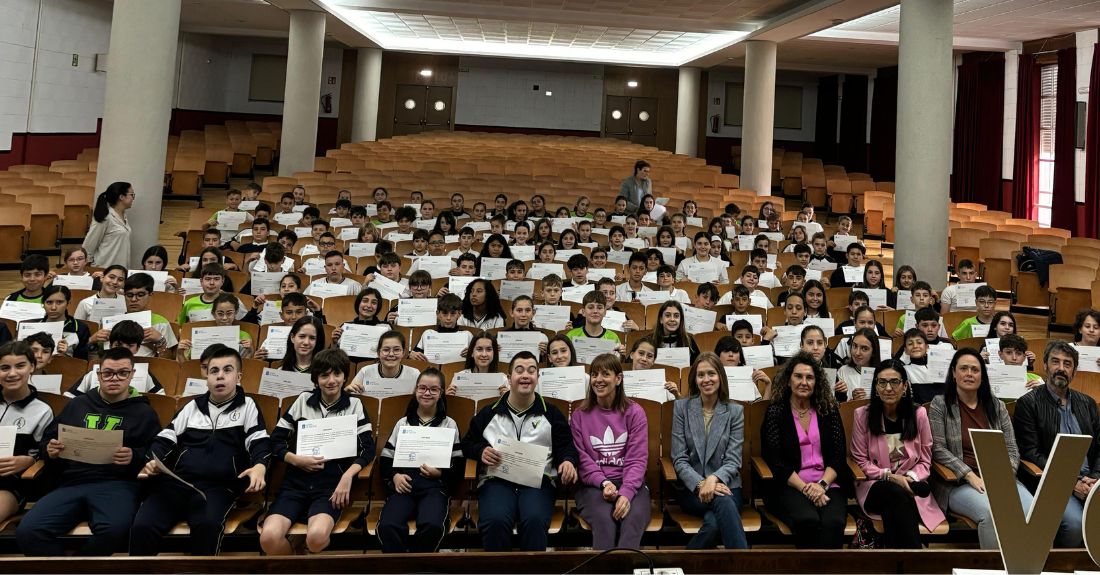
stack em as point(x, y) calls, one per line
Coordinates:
point(34, 470)
point(1031, 469)
point(761, 467)
point(471, 469)
point(668, 472)
point(367, 470)
point(944, 473)
point(857, 471)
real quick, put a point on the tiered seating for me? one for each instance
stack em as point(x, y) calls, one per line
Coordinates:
point(208, 158)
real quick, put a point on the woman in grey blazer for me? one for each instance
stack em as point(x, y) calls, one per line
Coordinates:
point(708, 432)
point(968, 403)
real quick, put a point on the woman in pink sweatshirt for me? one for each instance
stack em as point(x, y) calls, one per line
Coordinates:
point(609, 431)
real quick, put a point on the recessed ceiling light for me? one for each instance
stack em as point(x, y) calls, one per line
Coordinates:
point(549, 93)
point(632, 84)
point(427, 73)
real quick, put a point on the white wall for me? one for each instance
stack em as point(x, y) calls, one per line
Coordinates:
point(716, 89)
point(498, 92)
point(40, 89)
point(214, 73)
point(1085, 42)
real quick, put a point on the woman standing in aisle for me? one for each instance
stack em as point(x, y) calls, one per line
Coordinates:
point(108, 239)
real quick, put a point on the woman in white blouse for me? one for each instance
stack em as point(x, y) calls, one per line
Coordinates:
point(108, 239)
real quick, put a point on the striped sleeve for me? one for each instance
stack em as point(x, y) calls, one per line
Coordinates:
point(256, 440)
point(285, 429)
point(366, 435)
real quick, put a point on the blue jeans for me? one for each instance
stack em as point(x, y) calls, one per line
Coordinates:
point(721, 520)
point(1069, 531)
point(503, 505)
point(107, 506)
point(968, 501)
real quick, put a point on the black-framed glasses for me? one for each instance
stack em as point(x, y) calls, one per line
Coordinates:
point(885, 383)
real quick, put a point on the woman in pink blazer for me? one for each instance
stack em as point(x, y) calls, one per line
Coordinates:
point(892, 444)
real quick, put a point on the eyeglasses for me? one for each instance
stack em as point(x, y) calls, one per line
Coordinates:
point(436, 243)
point(884, 383)
point(136, 294)
point(327, 244)
point(76, 259)
point(428, 390)
point(119, 375)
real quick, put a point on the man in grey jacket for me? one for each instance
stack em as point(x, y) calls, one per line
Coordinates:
point(1049, 410)
point(636, 187)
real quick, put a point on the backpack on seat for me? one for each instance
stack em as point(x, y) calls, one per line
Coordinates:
point(1038, 261)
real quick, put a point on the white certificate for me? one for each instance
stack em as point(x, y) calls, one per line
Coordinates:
point(559, 225)
point(1008, 381)
point(788, 340)
point(511, 289)
point(646, 384)
point(231, 220)
point(339, 222)
point(866, 380)
point(939, 362)
point(965, 297)
point(648, 297)
point(437, 266)
point(885, 347)
point(288, 219)
point(142, 318)
point(668, 255)
point(424, 224)
point(979, 329)
point(566, 383)
point(699, 320)
point(444, 347)
point(589, 347)
point(361, 249)
point(910, 320)
point(329, 437)
point(275, 344)
point(523, 253)
point(416, 312)
point(389, 289)
point(852, 275)
point(513, 342)
point(270, 313)
point(758, 356)
point(48, 383)
point(755, 320)
point(1087, 356)
point(993, 346)
point(564, 255)
point(54, 329)
point(204, 337)
point(194, 386)
point(876, 298)
point(813, 275)
point(7, 440)
point(279, 383)
point(613, 320)
point(741, 386)
point(349, 234)
point(842, 242)
point(905, 299)
point(458, 284)
point(522, 463)
point(362, 340)
point(552, 317)
point(694, 221)
point(478, 386)
point(494, 268)
point(634, 243)
point(93, 446)
point(313, 266)
point(248, 205)
point(190, 287)
point(431, 446)
point(74, 282)
point(759, 299)
point(159, 277)
point(540, 270)
point(104, 307)
point(699, 272)
point(673, 356)
point(745, 243)
point(18, 311)
point(264, 283)
point(619, 257)
point(823, 266)
point(827, 325)
point(576, 293)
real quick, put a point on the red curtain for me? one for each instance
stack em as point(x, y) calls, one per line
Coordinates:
point(1092, 151)
point(979, 125)
point(1064, 207)
point(1025, 171)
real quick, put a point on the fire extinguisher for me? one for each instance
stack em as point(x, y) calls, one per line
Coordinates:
point(326, 103)
point(715, 123)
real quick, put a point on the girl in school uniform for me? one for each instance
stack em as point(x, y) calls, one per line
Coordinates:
point(20, 403)
point(306, 339)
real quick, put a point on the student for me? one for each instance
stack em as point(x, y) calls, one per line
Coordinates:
point(390, 350)
point(794, 314)
point(334, 275)
point(207, 442)
point(594, 308)
point(666, 283)
point(383, 213)
point(921, 298)
point(112, 281)
point(817, 305)
point(635, 270)
point(862, 352)
point(577, 265)
point(915, 360)
point(211, 243)
point(1002, 324)
point(315, 489)
point(700, 267)
point(522, 414)
point(612, 495)
point(289, 284)
point(730, 354)
point(482, 356)
point(29, 416)
point(233, 199)
point(671, 329)
point(875, 278)
point(160, 338)
point(42, 346)
point(949, 298)
point(427, 211)
point(291, 309)
point(105, 495)
point(843, 228)
point(226, 310)
point(199, 307)
point(495, 246)
point(1013, 351)
point(305, 340)
point(1086, 329)
point(466, 266)
point(421, 493)
point(465, 243)
point(928, 321)
point(261, 237)
point(481, 306)
point(813, 341)
point(707, 441)
point(750, 280)
point(155, 259)
point(75, 264)
point(75, 335)
point(820, 253)
point(32, 271)
point(857, 300)
point(368, 305)
point(794, 279)
point(854, 254)
point(986, 299)
point(419, 244)
point(741, 330)
point(457, 207)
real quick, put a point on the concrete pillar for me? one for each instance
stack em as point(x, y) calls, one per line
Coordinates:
point(925, 78)
point(687, 112)
point(368, 81)
point(303, 91)
point(758, 117)
point(137, 107)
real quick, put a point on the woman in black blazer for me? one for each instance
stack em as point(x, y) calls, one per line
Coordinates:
point(804, 446)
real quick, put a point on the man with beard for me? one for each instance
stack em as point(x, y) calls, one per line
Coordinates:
point(1054, 408)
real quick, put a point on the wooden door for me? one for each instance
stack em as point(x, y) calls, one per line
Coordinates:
point(409, 104)
point(616, 121)
point(437, 112)
point(643, 121)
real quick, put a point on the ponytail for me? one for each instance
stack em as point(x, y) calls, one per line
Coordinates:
point(108, 198)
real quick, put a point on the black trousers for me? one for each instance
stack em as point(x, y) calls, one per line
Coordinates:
point(813, 527)
point(428, 507)
point(171, 502)
point(900, 516)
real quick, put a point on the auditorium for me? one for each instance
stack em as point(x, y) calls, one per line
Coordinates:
point(500, 286)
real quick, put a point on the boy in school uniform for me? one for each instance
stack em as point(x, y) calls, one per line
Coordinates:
point(218, 443)
point(334, 275)
point(578, 271)
point(314, 489)
point(928, 322)
point(551, 290)
point(949, 298)
point(855, 254)
point(32, 272)
point(127, 335)
point(447, 312)
point(515, 271)
point(985, 299)
point(104, 495)
point(636, 269)
point(261, 237)
point(292, 308)
point(794, 278)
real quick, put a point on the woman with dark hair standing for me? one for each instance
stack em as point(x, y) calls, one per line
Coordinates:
point(805, 448)
point(108, 239)
point(892, 444)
